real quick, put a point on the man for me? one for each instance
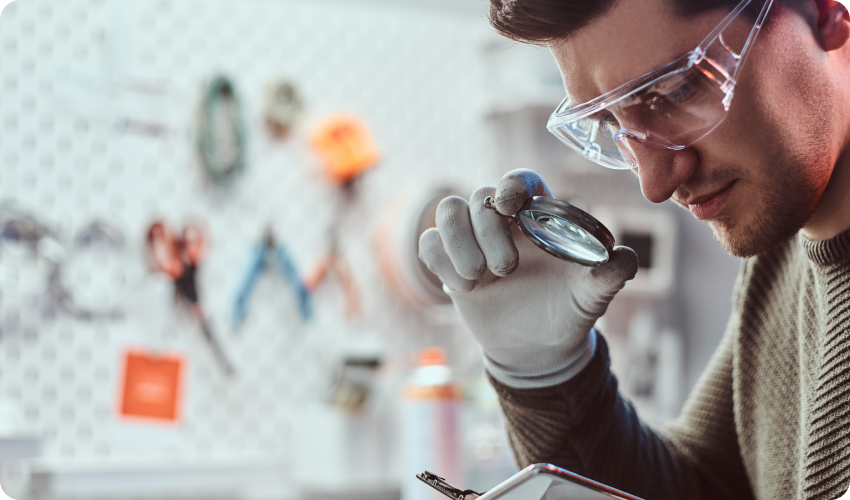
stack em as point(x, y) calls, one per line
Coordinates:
point(768, 171)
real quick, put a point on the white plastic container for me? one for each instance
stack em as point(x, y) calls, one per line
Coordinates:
point(429, 427)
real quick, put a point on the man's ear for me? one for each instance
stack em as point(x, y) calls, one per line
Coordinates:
point(833, 23)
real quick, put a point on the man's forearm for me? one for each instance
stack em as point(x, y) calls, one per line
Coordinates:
point(585, 426)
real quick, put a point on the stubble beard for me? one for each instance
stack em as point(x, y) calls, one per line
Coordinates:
point(785, 208)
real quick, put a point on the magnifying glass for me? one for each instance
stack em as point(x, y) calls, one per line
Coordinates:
point(563, 230)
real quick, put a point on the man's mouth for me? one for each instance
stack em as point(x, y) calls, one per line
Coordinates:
point(710, 205)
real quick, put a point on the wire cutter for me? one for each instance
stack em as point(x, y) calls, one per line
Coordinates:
point(178, 257)
point(261, 254)
point(334, 261)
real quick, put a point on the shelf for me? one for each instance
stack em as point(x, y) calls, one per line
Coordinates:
point(259, 477)
point(19, 447)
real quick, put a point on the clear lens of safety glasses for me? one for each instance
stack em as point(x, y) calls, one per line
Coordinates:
point(673, 112)
point(563, 230)
point(671, 107)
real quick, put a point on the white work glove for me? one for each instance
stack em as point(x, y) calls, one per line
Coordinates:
point(532, 313)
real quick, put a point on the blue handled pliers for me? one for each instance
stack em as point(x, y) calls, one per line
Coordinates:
point(260, 255)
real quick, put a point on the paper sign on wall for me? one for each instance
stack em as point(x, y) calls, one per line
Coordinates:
point(151, 387)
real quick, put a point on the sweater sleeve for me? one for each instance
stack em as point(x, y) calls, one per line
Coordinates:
point(585, 426)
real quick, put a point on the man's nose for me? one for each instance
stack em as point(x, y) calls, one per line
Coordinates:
point(662, 171)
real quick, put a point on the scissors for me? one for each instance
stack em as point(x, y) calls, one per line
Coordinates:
point(178, 257)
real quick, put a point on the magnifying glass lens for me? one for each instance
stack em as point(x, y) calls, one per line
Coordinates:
point(563, 230)
point(563, 237)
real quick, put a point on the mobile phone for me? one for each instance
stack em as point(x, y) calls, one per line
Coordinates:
point(535, 482)
point(547, 482)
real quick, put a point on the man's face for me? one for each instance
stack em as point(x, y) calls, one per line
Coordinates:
point(758, 177)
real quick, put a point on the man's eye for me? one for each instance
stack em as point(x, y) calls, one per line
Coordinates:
point(663, 98)
point(681, 94)
point(608, 121)
point(678, 89)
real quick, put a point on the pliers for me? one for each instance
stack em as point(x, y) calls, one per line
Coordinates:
point(261, 253)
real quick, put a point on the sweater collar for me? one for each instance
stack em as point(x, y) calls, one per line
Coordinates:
point(824, 253)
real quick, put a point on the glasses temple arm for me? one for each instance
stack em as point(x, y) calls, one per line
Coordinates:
point(750, 39)
point(723, 63)
point(718, 30)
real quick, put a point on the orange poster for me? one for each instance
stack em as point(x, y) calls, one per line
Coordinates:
point(152, 386)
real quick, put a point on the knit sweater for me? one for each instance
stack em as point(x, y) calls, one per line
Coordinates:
point(768, 419)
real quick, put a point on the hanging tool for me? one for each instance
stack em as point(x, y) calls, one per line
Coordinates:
point(346, 147)
point(29, 253)
point(221, 132)
point(178, 257)
point(96, 234)
point(283, 106)
point(261, 254)
point(334, 261)
point(42, 246)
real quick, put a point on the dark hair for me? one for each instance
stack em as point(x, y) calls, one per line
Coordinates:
point(542, 21)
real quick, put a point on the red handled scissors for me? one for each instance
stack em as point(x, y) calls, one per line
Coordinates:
point(178, 257)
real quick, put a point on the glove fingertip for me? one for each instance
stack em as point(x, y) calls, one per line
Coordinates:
point(506, 265)
point(620, 268)
point(517, 186)
point(426, 242)
point(503, 271)
point(433, 255)
point(476, 272)
point(626, 262)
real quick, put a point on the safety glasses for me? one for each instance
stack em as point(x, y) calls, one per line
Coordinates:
point(671, 107)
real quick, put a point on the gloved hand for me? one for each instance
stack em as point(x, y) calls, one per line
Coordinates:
point(532, 313)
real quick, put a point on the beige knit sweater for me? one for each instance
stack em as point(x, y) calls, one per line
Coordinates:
point(769, 418)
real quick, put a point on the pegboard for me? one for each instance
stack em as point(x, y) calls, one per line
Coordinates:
point(70, 69)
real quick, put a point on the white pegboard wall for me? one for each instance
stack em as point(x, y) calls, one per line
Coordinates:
point(414, 77)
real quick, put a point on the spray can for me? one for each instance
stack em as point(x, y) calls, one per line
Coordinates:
point(430, 426)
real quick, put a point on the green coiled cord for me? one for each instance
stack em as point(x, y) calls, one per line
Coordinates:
point(221, 133)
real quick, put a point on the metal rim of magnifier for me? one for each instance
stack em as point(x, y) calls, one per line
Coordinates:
point(573, 215)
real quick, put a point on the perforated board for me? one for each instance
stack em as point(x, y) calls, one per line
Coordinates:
point(413, 76)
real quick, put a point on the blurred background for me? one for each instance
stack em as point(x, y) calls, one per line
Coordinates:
point(209, 284)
